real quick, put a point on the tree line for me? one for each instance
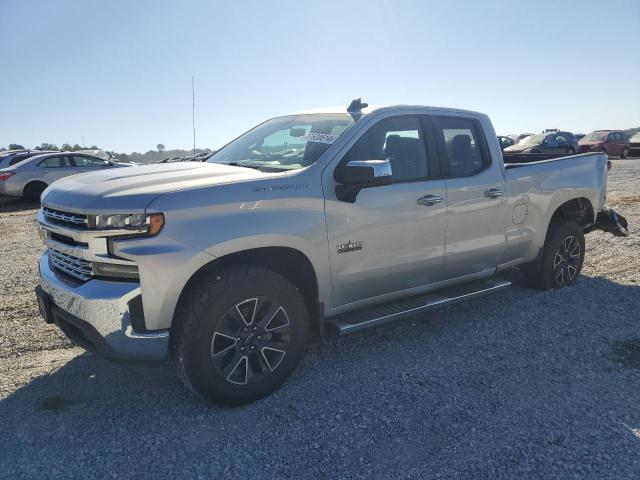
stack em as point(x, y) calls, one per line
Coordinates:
point(150, 156)
point(66, 147)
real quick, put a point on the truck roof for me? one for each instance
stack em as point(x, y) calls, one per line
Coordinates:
point(375, 108)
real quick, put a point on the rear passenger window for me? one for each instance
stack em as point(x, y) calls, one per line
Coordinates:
point(460, 141)
point(55, 162)
point(398, 140)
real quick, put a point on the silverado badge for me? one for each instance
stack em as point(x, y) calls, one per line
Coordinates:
point(349, 247)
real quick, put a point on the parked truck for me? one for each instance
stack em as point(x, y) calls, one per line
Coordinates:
point(328, 220)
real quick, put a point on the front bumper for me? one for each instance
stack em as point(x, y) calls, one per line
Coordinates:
point(97, 315)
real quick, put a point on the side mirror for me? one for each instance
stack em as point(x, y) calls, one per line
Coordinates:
point(355, 175)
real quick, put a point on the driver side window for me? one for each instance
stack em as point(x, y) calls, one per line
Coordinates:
point(398, 140)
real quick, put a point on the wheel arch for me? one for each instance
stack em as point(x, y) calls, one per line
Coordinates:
point(579, 210)
point(32, 183)
point(289, 262)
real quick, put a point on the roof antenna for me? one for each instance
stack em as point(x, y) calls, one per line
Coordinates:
point(356, 105)
point(193, 113)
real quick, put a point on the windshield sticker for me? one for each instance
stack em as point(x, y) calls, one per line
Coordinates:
point(320, 138)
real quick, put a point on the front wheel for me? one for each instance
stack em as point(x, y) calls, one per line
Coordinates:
point(571, 151)
point(625, 153)
point(562, 257)
point(242, 334)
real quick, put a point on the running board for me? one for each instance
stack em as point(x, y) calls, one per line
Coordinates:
point(361, 319)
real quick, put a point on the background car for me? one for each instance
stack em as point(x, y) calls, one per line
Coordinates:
point(558, 142)
point(30, 177)
point(611, 142)
point(522, 135)
point(578, 136)
point(505, 142)
point(634, 145)
point(14, 156)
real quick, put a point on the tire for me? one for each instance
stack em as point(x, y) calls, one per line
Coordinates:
point(625, 153)
point(562, 257)
point(241, 335)
point(33, 190)
point(571, 151)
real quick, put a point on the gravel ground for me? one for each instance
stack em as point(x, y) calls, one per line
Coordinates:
point(523, 384)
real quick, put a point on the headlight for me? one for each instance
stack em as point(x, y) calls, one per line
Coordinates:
point(150, 223)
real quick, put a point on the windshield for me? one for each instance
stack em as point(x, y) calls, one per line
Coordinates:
point(533, 139)
point(595, 137)
point(285, 143)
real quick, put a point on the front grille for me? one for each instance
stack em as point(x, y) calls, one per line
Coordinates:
point(68, 219)
point(74, 266)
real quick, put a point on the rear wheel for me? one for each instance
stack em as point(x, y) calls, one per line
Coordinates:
point(241, 336)
point(562, 257)
point(33, 190)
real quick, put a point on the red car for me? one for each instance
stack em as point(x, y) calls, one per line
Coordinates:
point(612, 142)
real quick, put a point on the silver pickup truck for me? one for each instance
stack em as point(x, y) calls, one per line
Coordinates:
point(328, 220)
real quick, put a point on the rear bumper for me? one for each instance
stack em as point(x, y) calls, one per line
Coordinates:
point(97, 315)
point(10, 188)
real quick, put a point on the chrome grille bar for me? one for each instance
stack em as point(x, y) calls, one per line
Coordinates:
point(74, 266)
point(65, 218)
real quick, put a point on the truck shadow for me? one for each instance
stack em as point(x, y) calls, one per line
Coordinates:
point(12, 204)
point(518, 374)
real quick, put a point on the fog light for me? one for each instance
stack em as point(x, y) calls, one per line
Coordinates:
point(115, 270)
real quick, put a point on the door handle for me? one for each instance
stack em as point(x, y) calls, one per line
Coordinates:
point(493, 193)
point(429, 200)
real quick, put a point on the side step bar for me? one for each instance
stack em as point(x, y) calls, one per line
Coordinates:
point(361, 319)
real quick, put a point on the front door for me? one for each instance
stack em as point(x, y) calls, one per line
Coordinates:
point(391, 239)
point(475, 221)
point(550, 145)
point(83, 164)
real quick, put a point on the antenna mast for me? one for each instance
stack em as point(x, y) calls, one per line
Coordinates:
point(193, 113)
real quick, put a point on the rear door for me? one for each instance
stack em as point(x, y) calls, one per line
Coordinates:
point(54, 168)
point(612, 144)
point(549, 145)
point(620, 143)
point(475, 225)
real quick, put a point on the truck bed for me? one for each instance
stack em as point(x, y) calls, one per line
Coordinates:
point(512, 160)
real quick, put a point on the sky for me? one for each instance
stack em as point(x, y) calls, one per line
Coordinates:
point(118, 73)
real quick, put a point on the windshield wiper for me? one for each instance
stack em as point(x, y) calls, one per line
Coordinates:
point(261, 168)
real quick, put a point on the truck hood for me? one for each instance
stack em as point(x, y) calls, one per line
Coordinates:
point(130, 190)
